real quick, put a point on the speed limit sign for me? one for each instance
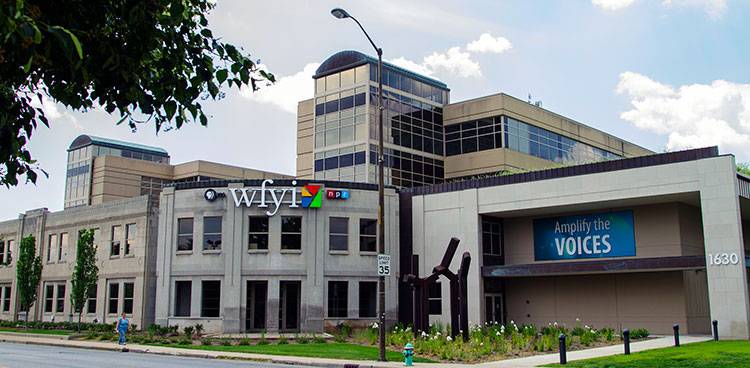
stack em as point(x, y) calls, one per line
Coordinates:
point(384, 265)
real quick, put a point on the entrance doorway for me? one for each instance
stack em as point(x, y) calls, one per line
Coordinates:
point(493, 304)
point(289, 305)
point(255, 306)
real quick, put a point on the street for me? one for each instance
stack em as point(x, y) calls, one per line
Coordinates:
point(33, 356)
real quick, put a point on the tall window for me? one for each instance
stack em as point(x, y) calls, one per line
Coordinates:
point(435, 298)
point(185, 234)
point(130, 231)
point(114, 298)
point(291, 232)
point(115, 244)
point(51, 244)
point(5, 298)
point(127, 297)
point(337, 298)
point(62, 247)
point(91, 300)
point(367, 235)
point(368, 292)
point(60, 298)
point(258, 236)
point(212, 233)
point(210, 298)
point(8, 251)
point(2, 252)
point(49, 291)
point(338, 233)
point(491, 238)
point(182, 294)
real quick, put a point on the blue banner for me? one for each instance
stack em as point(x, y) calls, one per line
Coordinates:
point(600, 235)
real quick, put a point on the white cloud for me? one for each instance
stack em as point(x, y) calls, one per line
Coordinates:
point(612, 4)
point(695, 115)
point(410, 65)
point(53, 114)
point(489, 44)
point(287, 91)
point(714, 8)
point(455, 62)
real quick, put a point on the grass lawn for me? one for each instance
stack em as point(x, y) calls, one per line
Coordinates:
point(315, 350)
point(714, 354)
point(35, 331)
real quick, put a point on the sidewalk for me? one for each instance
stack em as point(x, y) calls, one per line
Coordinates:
point(531, 361)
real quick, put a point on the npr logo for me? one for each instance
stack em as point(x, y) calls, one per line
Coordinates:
point(337, 194)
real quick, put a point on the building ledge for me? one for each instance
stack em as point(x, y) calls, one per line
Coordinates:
point(597, 266)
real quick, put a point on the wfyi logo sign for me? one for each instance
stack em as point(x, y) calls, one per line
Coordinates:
point(311, 196)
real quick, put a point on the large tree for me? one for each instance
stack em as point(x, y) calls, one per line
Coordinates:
point(28, 274)
point(85, 274)
point(142, 60)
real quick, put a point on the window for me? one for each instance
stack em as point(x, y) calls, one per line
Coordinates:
point(8, 251)
point(91, 300)
point(210, 298)
point(338, 233)
point(212, 233)
point(48, 298)
point(114, 298)
point(368, 292)
point(130, 231)
point(116, 236)
point(367, 235)
point(5, 298)
point(62, 247)
point(2, 252)
point(185, 234)
point(182, 294)
point(435, 298)
point(127, 298)
point(60, 298)
point(258, 237)
point(291, 232)
point(337, 298)
point(51, 244)
point(491, 238)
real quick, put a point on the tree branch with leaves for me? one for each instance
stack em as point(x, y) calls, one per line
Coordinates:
point(85, 274)
point(144, 61)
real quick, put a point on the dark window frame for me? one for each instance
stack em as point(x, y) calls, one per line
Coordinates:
point(212, 240)
point(211, 301)
point(291, 238)
point(338, 299)
point(183, 310)
point(336, 239)
point(368, 235)
point(185, 240)
point(260, 234)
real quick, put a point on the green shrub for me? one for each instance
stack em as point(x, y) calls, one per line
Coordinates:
point(282, 340)
point(226, 342)
point(199, 329)
point(318, 339)
point(188, 331)
point(262, 340)
point(639, 333)
point(302, 339)
point(244, 342)
point(207, 341)
point(607, 333)
point(185, 341)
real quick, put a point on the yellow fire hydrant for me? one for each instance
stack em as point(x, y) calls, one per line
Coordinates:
point(408, 355)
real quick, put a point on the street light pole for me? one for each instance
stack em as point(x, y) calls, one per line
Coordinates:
point(341, 14)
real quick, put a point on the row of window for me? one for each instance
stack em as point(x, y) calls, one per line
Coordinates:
point(401, 81)
point(472, 136)
point(291, 233)
point(338, 299)
point(342, 79)
point(59, 244)
point(120, 244)
point(6, 251)
point(343, 160)
point(343, 103)
point(119, 298)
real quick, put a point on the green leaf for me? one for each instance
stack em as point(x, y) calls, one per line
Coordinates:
point(221, 75)
point(27, 66)
point(73, 39)
point(170, 107)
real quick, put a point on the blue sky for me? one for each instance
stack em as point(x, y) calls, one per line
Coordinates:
point(665, 74)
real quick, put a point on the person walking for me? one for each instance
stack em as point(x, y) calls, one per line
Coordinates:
point(122, 327)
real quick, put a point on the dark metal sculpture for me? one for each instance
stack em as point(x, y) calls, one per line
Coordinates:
point(458, 289)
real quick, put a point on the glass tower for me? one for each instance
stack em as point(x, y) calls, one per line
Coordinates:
point(346, 122)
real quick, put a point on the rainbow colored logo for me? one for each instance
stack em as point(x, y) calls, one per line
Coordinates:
point(312, 196)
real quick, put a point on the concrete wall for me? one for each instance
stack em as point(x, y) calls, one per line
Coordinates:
point(305, 138)
point(314, 265)
point(59, 268)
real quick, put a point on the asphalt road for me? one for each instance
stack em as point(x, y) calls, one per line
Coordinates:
point(33, 356)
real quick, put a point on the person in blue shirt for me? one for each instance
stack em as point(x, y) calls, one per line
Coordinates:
point(122, 327)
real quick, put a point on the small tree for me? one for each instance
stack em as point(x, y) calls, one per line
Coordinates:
point(86, 272)
point(28, 274)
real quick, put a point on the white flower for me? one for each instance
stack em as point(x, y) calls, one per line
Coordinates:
point(497, 333)
point(437, 333)
point(555, 323)
point(424, 334)
point(449, 338)
point(578, 320)
point(481, 344)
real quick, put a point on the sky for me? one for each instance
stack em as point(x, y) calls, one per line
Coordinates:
point(664, 74)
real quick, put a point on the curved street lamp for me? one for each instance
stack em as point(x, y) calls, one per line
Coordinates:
point(342, 14)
